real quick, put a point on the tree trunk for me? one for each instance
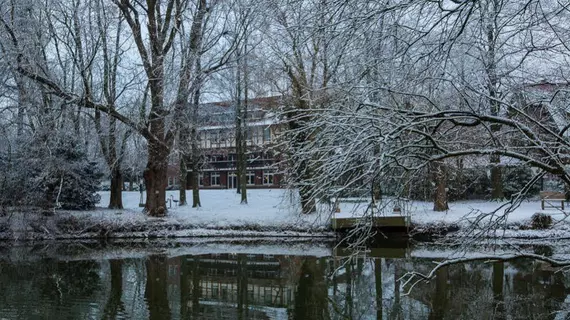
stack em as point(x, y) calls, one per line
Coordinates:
point(155, 178)
point(376, 190)
point(182, 181)
point(116, 199)
point(308, 203)
point(241, 137)
point(195, 177)
point(495, 106)
point(302, 170)
point(440, 192)
point(243, 185)
point(196, 151)
point(496, 179)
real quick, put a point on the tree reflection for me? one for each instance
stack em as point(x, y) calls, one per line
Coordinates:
point(156, 287)
point(190, 287)
point(498, 285)
point(378, 287)
point(114, 304)
point(75, 278)
point(239, 286)
point(311, 300)
point(242, 304)
point(440, 298)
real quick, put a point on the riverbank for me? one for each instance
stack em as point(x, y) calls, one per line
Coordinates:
point(269, 213)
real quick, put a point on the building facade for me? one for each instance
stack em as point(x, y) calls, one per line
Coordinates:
point(218, 151)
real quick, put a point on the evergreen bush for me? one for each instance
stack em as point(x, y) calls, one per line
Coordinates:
point(515, 179)
point(540, 221)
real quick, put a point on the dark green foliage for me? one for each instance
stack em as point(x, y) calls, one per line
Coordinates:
point(515, 179)
point(468, 184)
point(540, 221)
point(472, 183)
point(69, 169)
point(464, 184)
point(52, 173)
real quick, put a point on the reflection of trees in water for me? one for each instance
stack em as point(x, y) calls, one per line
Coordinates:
point(353, 288)
point(44, 288)
point(242, 304)
point(74, 278)
point(311, 298)
point(364, 288)
point(156, 293)
point(493, 290)
point(114, 304)
point(537, 293)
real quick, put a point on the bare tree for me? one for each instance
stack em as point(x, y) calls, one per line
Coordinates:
point(162, 22)
point(311, 40)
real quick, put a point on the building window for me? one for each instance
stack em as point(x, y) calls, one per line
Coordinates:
point(169, 181)
point(222, 138)
point(267, 295)
point(250, 178)
point(267, 134)
point(202, 139)
point(174, 180)
point(268, 178)
point(250, 294)
point(249, 134)
point(200, 179)
point(215, 179)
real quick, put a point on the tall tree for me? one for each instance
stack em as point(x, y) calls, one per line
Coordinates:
point(311, 47)
point(153, 30)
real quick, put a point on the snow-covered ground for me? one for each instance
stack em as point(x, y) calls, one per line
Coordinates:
point(269, 213)
point(221, 209)
point(277, 209)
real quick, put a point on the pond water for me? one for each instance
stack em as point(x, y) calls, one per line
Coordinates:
point(282, 281)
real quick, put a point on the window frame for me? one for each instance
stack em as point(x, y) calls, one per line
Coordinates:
point(250, 174)
point(215, 175)
point(268, 174)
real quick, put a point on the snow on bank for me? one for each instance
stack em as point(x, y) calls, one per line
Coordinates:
point(139, 248)
point(270, 213)
point(273, 207)
point(124, 249)
point(277, 210)
point(221, 209)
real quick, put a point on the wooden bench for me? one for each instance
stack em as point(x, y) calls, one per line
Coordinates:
point(551, 198)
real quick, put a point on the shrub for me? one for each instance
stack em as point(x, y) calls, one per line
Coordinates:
point(515, 179)
point(43, 172)
point(541, 221)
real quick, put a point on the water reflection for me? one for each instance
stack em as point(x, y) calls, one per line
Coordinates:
point(278, 286)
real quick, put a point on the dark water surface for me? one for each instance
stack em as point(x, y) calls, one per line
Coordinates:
point(286, 281)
